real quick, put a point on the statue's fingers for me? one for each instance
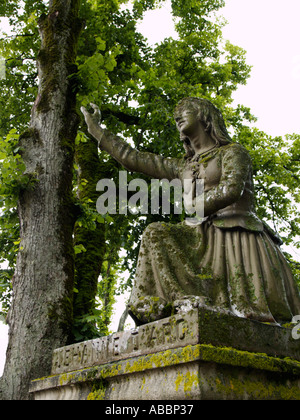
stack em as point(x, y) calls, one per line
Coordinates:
point(83, 110)
point(97, 113)
point(96, 109)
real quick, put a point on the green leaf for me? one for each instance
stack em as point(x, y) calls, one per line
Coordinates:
point(79, 249)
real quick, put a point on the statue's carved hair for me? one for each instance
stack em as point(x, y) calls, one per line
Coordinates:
point(210, 116)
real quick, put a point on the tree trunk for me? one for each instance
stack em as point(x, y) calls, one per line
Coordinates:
point(40, 318)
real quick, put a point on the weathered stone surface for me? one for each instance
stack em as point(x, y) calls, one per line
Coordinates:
point(198, 355)
point(190, 373)
point(203, 326)
point(173, 332)
point(223, 329)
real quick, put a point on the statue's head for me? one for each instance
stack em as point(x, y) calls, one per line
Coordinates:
point(209, 115)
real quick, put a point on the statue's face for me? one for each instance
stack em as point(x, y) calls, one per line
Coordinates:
point(186, 121)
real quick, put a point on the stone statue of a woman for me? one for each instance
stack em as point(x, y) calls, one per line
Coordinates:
point(232, 260)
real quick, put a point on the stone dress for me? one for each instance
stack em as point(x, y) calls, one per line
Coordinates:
point(232, 260)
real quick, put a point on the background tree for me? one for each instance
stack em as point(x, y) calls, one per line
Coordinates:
point(137, 87)
point(40, 316)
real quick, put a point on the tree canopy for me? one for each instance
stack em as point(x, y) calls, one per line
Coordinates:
point(137, 87)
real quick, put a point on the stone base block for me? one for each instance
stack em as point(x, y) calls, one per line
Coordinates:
point(196, 356)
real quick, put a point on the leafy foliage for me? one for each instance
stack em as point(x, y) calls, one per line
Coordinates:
point(137, 87)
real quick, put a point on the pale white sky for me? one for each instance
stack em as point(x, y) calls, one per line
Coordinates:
point(269, 31)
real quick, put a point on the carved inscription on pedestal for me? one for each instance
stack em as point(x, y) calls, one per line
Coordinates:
point(173, 332)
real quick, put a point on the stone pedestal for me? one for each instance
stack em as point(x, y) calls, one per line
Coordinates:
point(195, 356)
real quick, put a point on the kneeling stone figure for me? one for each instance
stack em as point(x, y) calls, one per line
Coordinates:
point(231, 261)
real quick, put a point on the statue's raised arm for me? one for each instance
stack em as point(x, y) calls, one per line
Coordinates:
point(147, 163)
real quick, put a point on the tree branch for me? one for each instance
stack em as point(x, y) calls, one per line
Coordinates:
point(271, 204)
point(122, 116)
point(16, 36)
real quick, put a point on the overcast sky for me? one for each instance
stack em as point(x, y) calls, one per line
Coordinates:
point(269, 31)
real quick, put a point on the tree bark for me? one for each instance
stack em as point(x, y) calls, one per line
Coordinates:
point(40, 318)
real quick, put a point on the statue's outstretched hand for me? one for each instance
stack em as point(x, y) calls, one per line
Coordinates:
point(93, 121)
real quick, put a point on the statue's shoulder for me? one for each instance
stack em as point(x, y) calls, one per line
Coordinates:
point(235, 149)
point(233, 146)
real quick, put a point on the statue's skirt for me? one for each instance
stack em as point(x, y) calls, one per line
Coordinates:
point(241, 271)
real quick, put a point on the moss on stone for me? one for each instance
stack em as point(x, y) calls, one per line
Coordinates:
point(223, 371)
point(187, 381)
point(238, 388)
point(98, 391)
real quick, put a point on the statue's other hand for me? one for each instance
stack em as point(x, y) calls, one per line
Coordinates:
point(93, 120)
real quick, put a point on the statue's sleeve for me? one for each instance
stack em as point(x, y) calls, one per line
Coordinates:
point(236, 164)
point(133, 160)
